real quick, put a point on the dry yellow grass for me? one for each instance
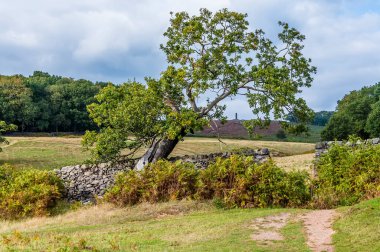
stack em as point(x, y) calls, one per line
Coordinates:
point(298, 162)
point(105, 214)
point(56, 152)
point(199, 145)
point(172, 226)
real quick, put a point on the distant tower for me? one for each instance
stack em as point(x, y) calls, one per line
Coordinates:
point(236, 116)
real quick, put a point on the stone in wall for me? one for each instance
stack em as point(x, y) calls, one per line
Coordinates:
point(322, 147)
point(84, 182)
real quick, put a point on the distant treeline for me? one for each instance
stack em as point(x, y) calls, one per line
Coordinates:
point(358, 113)
point(44, 102)
point(320, 118)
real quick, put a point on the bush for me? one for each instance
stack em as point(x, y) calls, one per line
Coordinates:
point(127, 190)
point(240, 182)
point(233, 182)
point(27, 193)
point(159, 182)
point(281, 134)
point(347, 175)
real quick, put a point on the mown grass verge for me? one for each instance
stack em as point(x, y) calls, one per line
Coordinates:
point(173, 226)
point(358, 228)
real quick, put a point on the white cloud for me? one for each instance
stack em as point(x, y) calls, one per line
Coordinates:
point(118, 40)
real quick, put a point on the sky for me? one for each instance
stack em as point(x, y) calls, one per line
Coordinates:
point(118, 40)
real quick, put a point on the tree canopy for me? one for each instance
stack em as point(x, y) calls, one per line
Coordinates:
point(358, 113)
point(211, 57)
point(44, 102)
point(320, 118)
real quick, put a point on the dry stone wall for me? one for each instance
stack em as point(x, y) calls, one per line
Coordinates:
point(84, 182)
point(322, 147)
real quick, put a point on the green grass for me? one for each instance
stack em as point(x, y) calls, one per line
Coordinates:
point(358, 229)
point(295, 237)
point(313, 137)
point(43, 152)
point(181, 226)
point(56, 152)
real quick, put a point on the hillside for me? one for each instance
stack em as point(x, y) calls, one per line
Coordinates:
point(235, 129)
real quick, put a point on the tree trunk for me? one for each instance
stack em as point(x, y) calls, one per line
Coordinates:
point(160, 149)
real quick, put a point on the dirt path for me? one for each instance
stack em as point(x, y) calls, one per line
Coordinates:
point(318, 226)
point(318, 229)
point(268, 228)
point(11, 142)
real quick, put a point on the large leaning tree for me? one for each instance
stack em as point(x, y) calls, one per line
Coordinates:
point(211, 57)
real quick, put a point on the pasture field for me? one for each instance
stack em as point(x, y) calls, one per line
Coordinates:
point(56, 152)
point(183, 226)
point(174, 226)
point(314, 135)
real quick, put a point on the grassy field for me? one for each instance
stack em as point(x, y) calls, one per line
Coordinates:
point(43, 152)
point(314, 135)
point(359, 227)
point(182, 226)
point(56, 152)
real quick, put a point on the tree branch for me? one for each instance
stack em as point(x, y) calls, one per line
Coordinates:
point(191, 99)
point(225, 94)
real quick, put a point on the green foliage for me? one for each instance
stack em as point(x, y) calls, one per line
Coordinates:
point(239, 182)
point(211, 57)
point(320, 118)
point(15, 101)
point(357, 113)
point(339, 127)
point(373, 121)
point(68, 100)
point(27, 193)
point(281, 134)
point(5, 128)
point(129, 116)
point(233, 182)
point(158, 182)
point(347, 175)
point(42, 102)
point(127, 190)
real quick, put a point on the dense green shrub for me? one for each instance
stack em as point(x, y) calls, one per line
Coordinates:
point(27, 193)
point(127, 190)
point(169, 181)
point(240, 182)
point(281, 134)
point(347, 175)
point(233, 182)
point(158, 182)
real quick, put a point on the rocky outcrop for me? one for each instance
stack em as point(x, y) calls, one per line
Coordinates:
point(84, 182)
